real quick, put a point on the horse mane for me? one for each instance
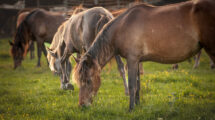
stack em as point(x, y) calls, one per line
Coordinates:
point(78, 9)
point(57, 39)
point(75, 10)
point(20, 36)
point(115, 13)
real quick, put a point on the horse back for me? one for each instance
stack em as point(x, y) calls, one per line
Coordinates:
point(44, 24)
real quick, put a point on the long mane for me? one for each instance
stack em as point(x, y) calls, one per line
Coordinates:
point(57, 39)
point(22, 31)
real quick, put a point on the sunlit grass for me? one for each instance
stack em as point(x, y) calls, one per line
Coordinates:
point(34, 93)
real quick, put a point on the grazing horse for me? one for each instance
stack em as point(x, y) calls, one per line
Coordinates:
point(40, 26)
point(166, 34)
point(54, 62)
point(76, 35)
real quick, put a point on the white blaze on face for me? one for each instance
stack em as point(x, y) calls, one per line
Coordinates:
point(51, 64)
point(54, 63)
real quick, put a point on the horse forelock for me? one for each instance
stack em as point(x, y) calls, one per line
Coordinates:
point(80, 72)
point(82, 69)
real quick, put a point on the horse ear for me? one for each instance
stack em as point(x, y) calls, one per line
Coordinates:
point(11, 43)
point(53, 54)
point(76, 59)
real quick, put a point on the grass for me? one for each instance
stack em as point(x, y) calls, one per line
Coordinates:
point(34, 93)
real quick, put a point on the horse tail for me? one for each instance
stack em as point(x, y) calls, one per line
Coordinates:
point(22, 32)
point(102, 21)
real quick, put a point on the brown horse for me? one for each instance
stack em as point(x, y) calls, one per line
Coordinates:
point(166, 34)
point(175, 66)
point(76, 35)
point(38, 25)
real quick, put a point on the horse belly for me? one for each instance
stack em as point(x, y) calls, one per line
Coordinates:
point(170, 48)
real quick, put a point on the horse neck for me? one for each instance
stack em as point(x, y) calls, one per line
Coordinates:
point(102, 50)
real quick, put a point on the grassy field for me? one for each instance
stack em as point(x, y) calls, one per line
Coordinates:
point(34, 93)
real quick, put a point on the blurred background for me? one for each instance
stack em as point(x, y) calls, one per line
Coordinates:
point(9, 8)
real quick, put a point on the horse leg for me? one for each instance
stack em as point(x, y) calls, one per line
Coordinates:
point(38, 53)
point(31, 48)
point(121, 70)
point(64, 70)
point(45, 52)
point(212, 56)
point(69, 86)
point(137, 97)
point(141, 70)
point(175, 66)
point(197, 60)
point(132, 81)
point(212, 63)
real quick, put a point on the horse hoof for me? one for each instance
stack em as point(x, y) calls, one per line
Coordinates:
point(175, 67)
point(63, 86)
point(69, 86)
point(212, 66)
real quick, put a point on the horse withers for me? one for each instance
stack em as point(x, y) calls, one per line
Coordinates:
point(39, 25)
point(75, 36)
point(166, 34)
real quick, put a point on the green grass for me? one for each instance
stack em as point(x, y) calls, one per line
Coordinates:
point(34, 93)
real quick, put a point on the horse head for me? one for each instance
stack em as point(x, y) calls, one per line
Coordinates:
point(20, 44)
point(17, 52)
point(54, 61)
point(87, 75)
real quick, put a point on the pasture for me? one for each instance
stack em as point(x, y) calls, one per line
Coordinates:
point(30, 92)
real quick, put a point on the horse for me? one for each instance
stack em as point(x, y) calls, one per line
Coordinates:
point(165, 34)
point(76, 36)
point(21, 16)
point(57, 39)
point(39, 25)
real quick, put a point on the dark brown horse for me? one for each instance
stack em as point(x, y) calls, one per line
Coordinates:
point(40, 26)
point(166, 34)
point(75, 36)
